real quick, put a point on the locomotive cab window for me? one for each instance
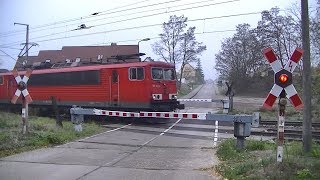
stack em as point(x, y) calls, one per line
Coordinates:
point(1, 80)
point(157, 73)
point(169, 74)
point(163, 74)
point(136, 73)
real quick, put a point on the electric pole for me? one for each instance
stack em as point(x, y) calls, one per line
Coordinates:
point(25, 107)
point(27, 40)
point(307, 121)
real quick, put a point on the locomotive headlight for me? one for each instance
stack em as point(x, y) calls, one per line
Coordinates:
point(172, 96)
point(157, 96)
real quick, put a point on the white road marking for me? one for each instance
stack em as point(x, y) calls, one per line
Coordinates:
point(162, 132)
point(215, 139)
point(97, 135)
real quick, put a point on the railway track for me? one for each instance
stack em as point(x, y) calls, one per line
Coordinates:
point(289, 123)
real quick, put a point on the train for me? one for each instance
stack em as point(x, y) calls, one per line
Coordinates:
point(133, 87)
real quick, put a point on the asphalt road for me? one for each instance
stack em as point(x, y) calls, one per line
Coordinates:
point(180, 149)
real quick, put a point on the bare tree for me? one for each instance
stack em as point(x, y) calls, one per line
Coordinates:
point(166, 48)
point(240, 57)
point(282, 33)
point(189, 49)
point(176, 46)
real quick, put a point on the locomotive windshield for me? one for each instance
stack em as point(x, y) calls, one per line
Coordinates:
point(163, 74)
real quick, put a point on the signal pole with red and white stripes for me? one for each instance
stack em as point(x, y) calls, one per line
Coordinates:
point(282, 88)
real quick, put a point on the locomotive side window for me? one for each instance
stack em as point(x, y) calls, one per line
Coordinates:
point(1, 80)
point(114, 76)
point(136, 73)
point(65, 78)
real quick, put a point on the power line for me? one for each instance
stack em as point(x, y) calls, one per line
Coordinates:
point(128, 19)
point(206, 5)
point(150, 25)
point(74, 19)
point(129, 14)
point(8, 55)
point(99, 14)
point(157, 37)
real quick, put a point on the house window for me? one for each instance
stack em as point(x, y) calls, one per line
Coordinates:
point(78, 59)
point(100, 57)
point(136, 73)
point(68, 61)
point(48, 61)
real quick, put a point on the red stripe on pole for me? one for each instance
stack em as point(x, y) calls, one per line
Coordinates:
point(194, 116)
point(166, 115)
point(124, 114)
point(28, 99)
point(296, 101)
point(175, 115)
point(110, 113)
point(158, 114)
point(269, 55)
point(268, 103)
point(185, 115)
point(149, 114)
point(14, 99)
point(132, 114)
point(296, 55)
point(142, 114)
point(117, 113)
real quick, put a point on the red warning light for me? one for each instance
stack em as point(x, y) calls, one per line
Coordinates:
point(283, 78)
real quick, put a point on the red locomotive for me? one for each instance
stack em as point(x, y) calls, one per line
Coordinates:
point(138, 86)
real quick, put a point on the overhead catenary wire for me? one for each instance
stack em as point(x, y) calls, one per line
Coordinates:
point(126, 15)
point(129, 19)
point(73, 19)
point(12, 58)
point(144, 26)
point(135, 27)
point(99, 14)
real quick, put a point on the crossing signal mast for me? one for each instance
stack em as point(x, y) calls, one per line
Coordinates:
point(282, 88)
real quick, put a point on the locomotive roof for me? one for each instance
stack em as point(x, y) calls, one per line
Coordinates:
point(97, 67)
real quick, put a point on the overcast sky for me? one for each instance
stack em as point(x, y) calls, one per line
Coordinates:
point(123, 22)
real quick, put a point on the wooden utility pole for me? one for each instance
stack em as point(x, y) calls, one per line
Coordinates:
point(307, 121)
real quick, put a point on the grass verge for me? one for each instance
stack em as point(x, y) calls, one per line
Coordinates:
point(42, 133)
point(258, 161)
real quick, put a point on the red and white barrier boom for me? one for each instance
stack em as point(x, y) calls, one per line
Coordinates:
point(282, 88)
point(26, 98)
point(242, 123)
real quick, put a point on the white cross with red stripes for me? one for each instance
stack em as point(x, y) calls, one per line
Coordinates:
point(283, 78)
point(21, 86)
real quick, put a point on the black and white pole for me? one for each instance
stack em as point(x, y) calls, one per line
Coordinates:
point(281, 120)
point(26, 98)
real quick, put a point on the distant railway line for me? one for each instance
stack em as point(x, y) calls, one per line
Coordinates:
point(289, 123)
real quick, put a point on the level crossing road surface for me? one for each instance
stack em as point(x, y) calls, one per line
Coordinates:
point(179, 149)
